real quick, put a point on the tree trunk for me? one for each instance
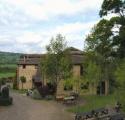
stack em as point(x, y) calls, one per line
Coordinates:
point(22, 86)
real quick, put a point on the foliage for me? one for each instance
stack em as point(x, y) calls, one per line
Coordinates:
point(6, 101)
point(112, 6)
point(120, 74)
point(117, 7)
point(56, 65)
point(120, 79)
point(2, 81)
point(5, 92)
point(106, 41)
point(68, 84)
point(7, 74)
point(15, 84)
point(9, 58)
point(92, 75)
point(36, 94)
point(8, 63)
point(23, 80)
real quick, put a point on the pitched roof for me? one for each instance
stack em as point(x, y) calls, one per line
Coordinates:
point(73, 50)
point(34, 59)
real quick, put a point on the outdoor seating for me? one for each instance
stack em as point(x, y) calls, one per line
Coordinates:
point(59, 97)
point(76, 95)
point(69, 100)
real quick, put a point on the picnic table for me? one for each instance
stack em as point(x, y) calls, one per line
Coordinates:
point(60, 97)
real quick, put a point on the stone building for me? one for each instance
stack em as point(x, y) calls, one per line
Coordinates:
point(28, 66)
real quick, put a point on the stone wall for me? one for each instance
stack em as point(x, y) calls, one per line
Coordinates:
point(76, 70)
point(29, 71)
point(76, 73)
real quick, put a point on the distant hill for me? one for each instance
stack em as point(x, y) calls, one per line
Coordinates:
point(9, 58)
point(8, 64)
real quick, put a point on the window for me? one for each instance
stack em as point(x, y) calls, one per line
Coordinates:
point(81, 70)
point(24, 66)
point(36, 66)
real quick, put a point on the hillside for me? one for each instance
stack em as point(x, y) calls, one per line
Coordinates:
point(9, 58)
point(8, 62)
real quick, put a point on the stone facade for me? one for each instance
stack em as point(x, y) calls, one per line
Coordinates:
point(28, 67)
point(28, 71)
point(76, 70)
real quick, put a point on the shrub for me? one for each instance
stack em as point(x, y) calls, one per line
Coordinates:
point(5, 92)
point(36, 94)
point(6, 101)
point(68, 84)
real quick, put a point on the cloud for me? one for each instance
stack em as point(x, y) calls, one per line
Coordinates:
point(28, 25)
point(50, 8)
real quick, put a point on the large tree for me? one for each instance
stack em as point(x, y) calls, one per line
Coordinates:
point(107, 38)
point(117, 7)
point(56, 65)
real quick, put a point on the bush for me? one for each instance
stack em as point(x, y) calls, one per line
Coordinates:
point(68, 85)
point(36, 94)
point(49, 97)
point(5, 92)
point(6, 101)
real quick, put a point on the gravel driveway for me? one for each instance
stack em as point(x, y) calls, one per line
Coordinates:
point(25, 108)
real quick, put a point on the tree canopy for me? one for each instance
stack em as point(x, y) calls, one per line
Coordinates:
point(56, 65)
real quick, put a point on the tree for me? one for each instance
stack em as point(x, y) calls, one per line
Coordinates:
point(106, 40)
point(120, 74)
point(99, 48)
point(117, 7)
point(120, 78)
point(112, 6)
point(92, 75)
point(56, 65)
point(23, 80)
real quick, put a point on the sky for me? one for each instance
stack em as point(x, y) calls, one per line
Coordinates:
point(27, 26)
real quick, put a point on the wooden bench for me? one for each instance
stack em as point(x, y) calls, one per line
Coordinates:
point(59, 97)
point(69, 100)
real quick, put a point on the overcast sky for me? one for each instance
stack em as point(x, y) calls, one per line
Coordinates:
point(26, 26)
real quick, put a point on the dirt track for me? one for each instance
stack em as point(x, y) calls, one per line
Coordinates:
point(25, 108)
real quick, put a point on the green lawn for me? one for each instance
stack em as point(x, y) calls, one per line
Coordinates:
point(94, 102)
point(22, 91)
point(5, 75)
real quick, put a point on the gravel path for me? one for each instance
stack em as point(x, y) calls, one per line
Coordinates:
point(25, 108)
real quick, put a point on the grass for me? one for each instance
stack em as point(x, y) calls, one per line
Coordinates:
point(5, 75)
point(94, 102)
point(21, 91)
point(8, 65)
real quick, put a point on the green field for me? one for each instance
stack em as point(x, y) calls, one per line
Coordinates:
point(8, 64)
point(7, 70)
point(6, 75)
